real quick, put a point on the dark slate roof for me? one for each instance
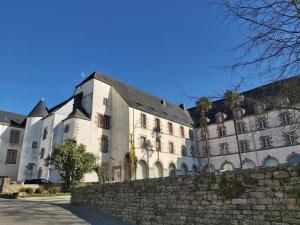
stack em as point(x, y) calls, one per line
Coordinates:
point(78, 110)
point(145, 102)
point(263, 94)
point(12, 119)
point(40, 110)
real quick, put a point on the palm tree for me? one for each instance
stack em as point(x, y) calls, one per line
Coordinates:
point(204, 105)
point(232, 100)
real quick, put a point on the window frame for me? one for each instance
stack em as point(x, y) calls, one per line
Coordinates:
point(104, 144)
point(14, 136)
point(143, 120)
point(171, 147)
point(170, 128)
point(11, 156)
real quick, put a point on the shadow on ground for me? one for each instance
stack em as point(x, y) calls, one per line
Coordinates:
point(58, 212)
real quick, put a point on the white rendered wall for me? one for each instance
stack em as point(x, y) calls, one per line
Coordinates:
point(151, 155)
point(256, 154)
point(33, 131)
point(10, 170)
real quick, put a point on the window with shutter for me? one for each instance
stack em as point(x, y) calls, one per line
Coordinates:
point(103, 121)
point(104, 144)
point(14, 136)
point(170, 128)
point(11, 156)
point(143, 121)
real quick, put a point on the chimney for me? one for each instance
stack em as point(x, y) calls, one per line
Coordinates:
point(163, 102)
point(182, 106)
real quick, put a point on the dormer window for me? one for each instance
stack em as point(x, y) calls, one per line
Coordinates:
point(239, 112)
point(259, 108)
point(284, 102)
point(219, 117)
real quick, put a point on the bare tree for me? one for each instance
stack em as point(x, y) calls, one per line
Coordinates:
point(271, 31)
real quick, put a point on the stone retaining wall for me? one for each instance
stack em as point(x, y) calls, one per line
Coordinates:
point(8, 188)
point(259, 197)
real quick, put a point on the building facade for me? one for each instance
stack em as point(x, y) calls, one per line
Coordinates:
point(110, 117)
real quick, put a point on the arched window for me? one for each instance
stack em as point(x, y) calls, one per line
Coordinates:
point(270, 161)
point(227, 166)
point(158, 170)
point(194, 169)
point(295, 158)
point(172, 169)
point(248, 164)
point(184, 169)
point(141, 170)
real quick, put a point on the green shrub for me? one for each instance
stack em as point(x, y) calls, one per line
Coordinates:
point(39, 190)
point(53, 190)
point(28, 190)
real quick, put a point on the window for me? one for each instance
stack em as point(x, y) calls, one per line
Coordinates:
point(66, 128)
point(284, 102)
point(241, 128)
point(219, 117)
point(244, 145)
point(34, 144)
point(259, 108)
point(157, 124)
point(143, 121)
point(265, 142)
point(30, 166)
point(104, 144)
point(14, 136)
point(290, 139)
point(45, 133)
point(143, 142)
point(158, 144)
point(42, 153)
point(183, 150)
point(182, 132)
point(262, 123)
point(103, 121)
point(11, 156)
point(285, 119)
point(191, 134)
point(105, 101)
point(239, 113)
point(171, 147)
point(221, 131)
point(170, 128)
point(224, 148)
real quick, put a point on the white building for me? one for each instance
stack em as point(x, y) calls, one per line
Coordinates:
point(106, 116)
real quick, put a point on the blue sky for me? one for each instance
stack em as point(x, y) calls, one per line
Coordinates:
point(165, 47)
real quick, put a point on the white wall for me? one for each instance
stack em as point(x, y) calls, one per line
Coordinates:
point(10, 170)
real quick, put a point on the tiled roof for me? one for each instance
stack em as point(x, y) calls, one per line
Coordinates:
point(266, 93)
point(145, 102)
point(12, 119)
